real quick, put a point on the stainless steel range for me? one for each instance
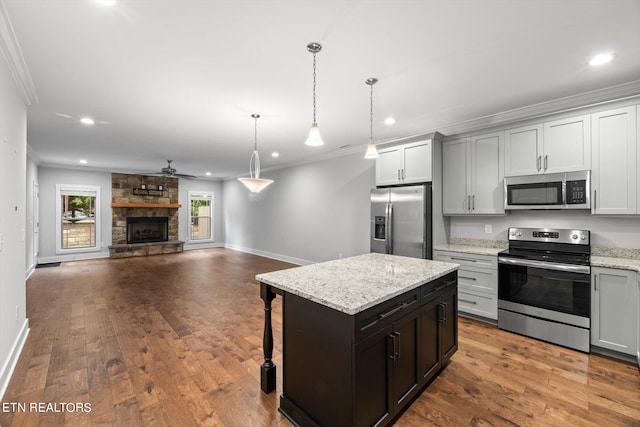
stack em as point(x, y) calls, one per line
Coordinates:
point(544, 285)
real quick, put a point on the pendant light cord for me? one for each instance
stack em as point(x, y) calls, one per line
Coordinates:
point(314, 88)
point(371, 118)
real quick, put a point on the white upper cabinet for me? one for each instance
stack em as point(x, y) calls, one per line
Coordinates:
point(557, 146)
point(522, 150)
point(567, 145)
point(405, 164)
point(487, 187)
point(472, 175)
point(456, 177)
point(614, 177)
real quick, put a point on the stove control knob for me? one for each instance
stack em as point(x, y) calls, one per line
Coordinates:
point(574, 236)
point(583, 237)
point(519, 234)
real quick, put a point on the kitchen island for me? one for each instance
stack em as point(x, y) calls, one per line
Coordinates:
point(362, 336)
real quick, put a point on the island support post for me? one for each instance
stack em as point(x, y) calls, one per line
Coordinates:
point(268, 368)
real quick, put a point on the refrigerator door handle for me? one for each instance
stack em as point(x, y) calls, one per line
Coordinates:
point(389, 229)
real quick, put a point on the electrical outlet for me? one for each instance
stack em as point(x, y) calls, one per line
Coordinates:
point(488, 228)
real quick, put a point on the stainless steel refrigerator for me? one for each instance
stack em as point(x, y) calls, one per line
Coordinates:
point(401, 221)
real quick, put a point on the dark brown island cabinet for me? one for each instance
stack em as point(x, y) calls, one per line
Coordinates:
point(361, 369)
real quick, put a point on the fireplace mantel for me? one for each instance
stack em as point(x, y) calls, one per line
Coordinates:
point(147, 205)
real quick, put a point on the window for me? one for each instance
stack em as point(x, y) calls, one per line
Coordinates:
point(201, 216)
point(77, 216)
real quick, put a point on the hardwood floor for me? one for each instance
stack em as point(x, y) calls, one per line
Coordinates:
point(176, 340)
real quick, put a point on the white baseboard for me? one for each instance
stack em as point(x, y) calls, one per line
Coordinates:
point(73, 257)
point(30, 271)
point(271, 255)
point(12, 360)
point(191, 246)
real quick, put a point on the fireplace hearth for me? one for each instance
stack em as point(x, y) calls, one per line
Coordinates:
point(147, 229)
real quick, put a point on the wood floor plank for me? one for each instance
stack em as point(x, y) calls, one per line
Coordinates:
point(176, 340)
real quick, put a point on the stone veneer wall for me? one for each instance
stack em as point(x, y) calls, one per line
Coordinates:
point(122, 186)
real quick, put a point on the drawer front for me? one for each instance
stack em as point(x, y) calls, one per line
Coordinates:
point(435, 288)
point(467, 260)
point(479, 304)
point(384, 314)
point(478, 279)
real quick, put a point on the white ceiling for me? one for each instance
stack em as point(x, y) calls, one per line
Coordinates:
point(180, 79)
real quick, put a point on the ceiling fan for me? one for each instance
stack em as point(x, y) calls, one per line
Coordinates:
point(172, 172)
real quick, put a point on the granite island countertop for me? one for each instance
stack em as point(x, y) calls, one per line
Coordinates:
point(466, 249)
point(353, 284)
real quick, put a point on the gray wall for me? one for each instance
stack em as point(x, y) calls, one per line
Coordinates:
point(311, 213)
point(48, 178)
point(13, 161)
point(623, 232)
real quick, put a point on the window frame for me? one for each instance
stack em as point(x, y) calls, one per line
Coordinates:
point(201, 195)
point(62, 189)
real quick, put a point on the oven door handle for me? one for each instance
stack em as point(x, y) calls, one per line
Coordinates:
point(570, 268)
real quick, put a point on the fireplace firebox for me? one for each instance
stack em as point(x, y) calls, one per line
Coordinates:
point(147, 229)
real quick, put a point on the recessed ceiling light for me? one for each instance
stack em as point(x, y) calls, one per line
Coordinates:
point(87, 121)
point(107, 2)
point(601, 59)
point(389, 121)
point(208, 173)
point(275, 154)
point(83, 161)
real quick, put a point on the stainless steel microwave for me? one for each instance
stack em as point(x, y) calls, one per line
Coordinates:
point(568, 190)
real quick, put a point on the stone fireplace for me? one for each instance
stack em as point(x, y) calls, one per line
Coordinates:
point(144, 215)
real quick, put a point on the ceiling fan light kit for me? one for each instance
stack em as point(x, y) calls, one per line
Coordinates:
point(254, 183)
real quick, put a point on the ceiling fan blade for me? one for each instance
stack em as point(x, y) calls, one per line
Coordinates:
point(181, 175)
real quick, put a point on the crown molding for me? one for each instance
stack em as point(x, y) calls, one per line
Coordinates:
point(13, 54)
point(560, 105)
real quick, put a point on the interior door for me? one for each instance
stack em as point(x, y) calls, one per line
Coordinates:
point(36, 221)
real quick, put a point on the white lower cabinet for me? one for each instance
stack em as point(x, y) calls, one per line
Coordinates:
point(614, 310)
point(477, 282)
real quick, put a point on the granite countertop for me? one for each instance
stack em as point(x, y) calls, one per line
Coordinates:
point(474, 246)
point(621, 263)
point(351, 285)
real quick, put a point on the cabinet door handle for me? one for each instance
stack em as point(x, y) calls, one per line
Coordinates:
point(469, 203)
point(464, 259)
point(468, 278)
point(595, 192)
point(397, 343)
point(444, 311)
point(391, 347)
point(399, 179)
point(595, 283)
point(473, 202)
point(468, 301)
point(546, 158)
point(538, 161)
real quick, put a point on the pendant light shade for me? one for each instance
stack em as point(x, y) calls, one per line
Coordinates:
point(372, 152)
point(254, 183)
point(314, 139)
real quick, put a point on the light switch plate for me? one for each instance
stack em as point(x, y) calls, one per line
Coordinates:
point(488, 228)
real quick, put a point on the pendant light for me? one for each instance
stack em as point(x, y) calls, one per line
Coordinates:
point(254, 183)
point(371, 153)
point(314, 139)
